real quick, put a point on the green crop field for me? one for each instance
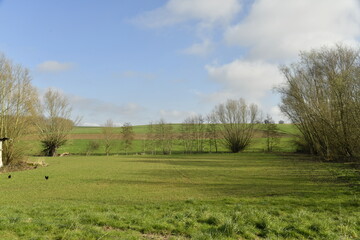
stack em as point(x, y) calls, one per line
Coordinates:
point(201, 196)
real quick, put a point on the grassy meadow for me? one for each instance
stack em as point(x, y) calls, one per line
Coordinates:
point(201, 196)
point(250, 195)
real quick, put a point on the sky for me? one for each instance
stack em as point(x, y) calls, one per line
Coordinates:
point(140, 61)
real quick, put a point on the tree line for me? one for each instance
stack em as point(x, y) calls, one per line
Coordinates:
point(231, 125)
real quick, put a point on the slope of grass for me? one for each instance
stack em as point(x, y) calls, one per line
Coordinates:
point(79, 146)
point(203, 196)
point(83, 135)
point(142, 129)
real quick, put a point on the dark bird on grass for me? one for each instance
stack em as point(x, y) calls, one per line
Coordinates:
point(46, 177)
point(9, 176)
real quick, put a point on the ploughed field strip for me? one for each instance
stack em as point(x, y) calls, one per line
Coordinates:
point(201, 196)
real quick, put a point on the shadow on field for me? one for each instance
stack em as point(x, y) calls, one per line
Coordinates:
point(122, 181)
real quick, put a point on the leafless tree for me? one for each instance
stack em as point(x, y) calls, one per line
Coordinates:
point(127, 136)
point(271, 134)
point(237, 120)
point(212, 132)
point(151, 138)
point(54, 122)
point(193, 134)
point(109, 136)
point(186, 130)
point(322, 97)
point(164, 136)
point(18, 100)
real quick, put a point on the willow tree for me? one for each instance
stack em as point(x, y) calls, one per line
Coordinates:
point(54, 122)
point(322, 96)
point(237, 122)
point(17, 100)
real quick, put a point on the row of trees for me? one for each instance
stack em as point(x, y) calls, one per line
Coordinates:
point(110, 135)
point(231, 124)
point(23, 112)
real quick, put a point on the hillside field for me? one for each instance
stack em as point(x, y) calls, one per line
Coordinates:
point(80, 137)
point(201, 196)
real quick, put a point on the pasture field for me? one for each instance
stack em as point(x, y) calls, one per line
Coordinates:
point(142, 129)
point(200, 196)
point(80, 137)
point(79, 147)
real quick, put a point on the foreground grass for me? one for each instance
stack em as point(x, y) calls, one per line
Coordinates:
point(212, 196)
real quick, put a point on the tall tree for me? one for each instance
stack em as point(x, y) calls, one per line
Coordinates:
point(55, 121)
point(322, 96)
point(185, 135)
point(151, 138)
point(212, 132)
point(237, 120)
point(127, 132)
point(18, 100)
point(164, 136)
point(109, 136)
point(193, 134)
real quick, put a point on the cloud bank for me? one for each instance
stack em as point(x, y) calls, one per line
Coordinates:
point(54, 66)
point(277, 30)
point(205, 12)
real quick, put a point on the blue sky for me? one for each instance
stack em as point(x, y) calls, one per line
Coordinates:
point(139, 61)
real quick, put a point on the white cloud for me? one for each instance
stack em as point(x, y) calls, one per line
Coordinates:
point(251, 80)
point(208, 12)
point(199, 49)
point(278, 29)
point(89, 124)
point(54, 66)
point(175, 115)
point(277, 115)
point(96, 112)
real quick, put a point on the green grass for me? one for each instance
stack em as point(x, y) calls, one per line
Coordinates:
point(202, 196)
point(79, 146)
point(98, 130)
point(283, 128)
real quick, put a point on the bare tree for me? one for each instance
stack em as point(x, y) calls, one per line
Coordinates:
point(109, 136)
point(55, 121)
point(271, 133)
point(237, 123)
point(212, 132)
point(18, 99)
point(127, 132)
point(151, 138)
point(164, 136)
point(193, 134)
point(186, 130)
point(322, 96)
